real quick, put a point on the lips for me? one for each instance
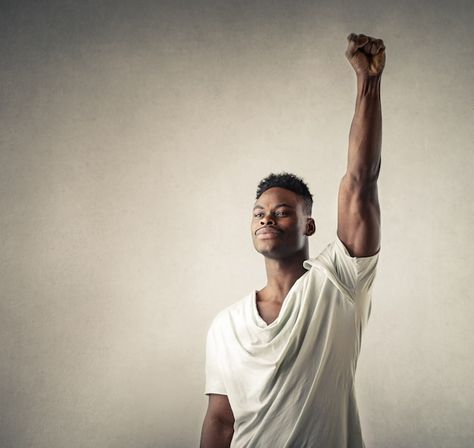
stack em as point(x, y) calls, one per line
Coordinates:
point(268, 231)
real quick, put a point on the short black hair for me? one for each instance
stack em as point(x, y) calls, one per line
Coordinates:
point(289, 182)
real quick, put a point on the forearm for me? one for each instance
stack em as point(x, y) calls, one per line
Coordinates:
point(216, 434)
point(358, 205)
point(365, 137)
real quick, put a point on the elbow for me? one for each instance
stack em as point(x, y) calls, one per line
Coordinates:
point(216, 433)
point(363, 176)
point(360, 181)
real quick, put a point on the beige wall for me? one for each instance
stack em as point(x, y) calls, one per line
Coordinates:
point(132, 139)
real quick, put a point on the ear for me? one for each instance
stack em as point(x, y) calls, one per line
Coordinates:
point(310, 227)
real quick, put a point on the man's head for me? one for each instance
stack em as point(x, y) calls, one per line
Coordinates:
point(281, 220)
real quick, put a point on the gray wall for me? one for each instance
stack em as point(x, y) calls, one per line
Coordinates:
point(132, 139)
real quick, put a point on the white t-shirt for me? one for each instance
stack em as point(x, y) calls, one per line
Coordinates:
point(291, 383)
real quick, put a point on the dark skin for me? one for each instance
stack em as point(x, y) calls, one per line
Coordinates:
point(280, 232)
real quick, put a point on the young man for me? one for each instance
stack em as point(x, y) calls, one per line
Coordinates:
point(280, 363)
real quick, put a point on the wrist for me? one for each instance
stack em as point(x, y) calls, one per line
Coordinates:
point(367, 84)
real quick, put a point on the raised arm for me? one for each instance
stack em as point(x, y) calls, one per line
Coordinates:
point(358, 204)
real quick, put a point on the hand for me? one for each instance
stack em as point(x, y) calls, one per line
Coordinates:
point(365, 54)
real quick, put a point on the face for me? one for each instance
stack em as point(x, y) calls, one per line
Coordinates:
point(280, 227)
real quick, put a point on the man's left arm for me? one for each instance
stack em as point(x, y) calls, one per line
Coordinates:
point(358, 204)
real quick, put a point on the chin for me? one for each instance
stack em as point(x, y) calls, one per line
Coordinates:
point(274, 253)
point(277, 252)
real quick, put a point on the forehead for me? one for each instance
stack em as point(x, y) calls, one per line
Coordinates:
point(275, 196)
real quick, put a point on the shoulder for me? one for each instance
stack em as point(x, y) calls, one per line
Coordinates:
point(351, 274)
point(230, 314)
point(336, 253)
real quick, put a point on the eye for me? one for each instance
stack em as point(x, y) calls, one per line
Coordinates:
point(258, 215)
point(281, 213)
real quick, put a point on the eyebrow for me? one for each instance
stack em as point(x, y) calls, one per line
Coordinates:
point(277, 206)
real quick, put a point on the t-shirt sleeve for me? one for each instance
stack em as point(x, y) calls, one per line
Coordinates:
point(354, 276)
point(214, 381)
point(356, 273)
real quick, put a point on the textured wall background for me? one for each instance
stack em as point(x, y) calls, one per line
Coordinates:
point(133, 135)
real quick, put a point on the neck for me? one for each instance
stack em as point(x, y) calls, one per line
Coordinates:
point(281, 275)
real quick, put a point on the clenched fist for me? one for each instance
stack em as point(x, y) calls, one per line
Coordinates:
point(366, 54)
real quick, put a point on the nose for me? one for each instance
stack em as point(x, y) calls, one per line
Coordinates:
point(267, 220)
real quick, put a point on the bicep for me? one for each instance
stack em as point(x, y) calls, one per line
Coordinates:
point(219, 409)
point(218, 426)
point(359, 217)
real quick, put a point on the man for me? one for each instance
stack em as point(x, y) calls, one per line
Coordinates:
point(280, 364)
